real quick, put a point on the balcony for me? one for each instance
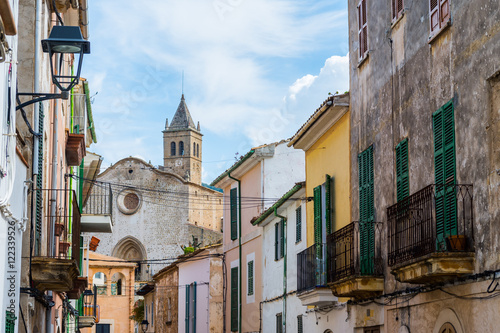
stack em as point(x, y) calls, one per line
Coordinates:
point(355, 266)
point(59, 270)
point(98, 208)
point(311, 277)
point(430, 234)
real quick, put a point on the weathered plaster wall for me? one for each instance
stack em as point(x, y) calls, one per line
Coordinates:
point(427, 312)
point(394, 93)
point(166, 288)
point(391, 101)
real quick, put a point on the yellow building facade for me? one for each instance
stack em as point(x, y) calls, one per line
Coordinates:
point(325, 141)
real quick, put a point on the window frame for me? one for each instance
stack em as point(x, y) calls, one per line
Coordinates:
point(181, 148)
point(173, 148)
point(442, 21)
point(279, 240)
point(233, 213)
point(279, 322)
point(298, 224)
point(397, 10)
point(250, 277)
point(234, 298)
point(362, 31)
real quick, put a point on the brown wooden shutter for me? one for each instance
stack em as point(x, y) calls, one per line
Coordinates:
point(362, 29)
point(444, 11)
point(434, 14)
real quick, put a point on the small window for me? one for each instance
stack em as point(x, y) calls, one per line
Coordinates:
point(169, 311)
point(172, 149)
point(298, 224)
point(447, 328)
point(439, 14)
point(234, 299)
point(300, 325)
point(279, 323)
point(250, 278)
point(194, 149)
point(279, 241)
point(371, 329)
point(362, 30)
point(397, 9)
point(181, 148)
point(197, 150)
point(233, 198)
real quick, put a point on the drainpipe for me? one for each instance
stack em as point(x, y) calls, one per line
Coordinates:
point(284, 264)
point(239, 250)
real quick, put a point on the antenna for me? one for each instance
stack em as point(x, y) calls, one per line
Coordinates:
point(183, 82)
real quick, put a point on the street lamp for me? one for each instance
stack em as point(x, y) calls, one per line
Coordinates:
point(88, 303)
point(62, 40)
point(144, 325)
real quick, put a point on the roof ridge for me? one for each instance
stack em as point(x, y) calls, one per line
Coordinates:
point(182, 118)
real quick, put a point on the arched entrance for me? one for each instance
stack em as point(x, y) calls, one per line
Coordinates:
point(131, 249)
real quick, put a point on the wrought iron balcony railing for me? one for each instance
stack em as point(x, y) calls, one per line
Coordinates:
point(438, 218)
point(354, 251)
point(99, 201)
point(62, 213)
point(311, 268)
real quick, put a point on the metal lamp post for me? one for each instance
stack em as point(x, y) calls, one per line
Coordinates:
point(62, 40)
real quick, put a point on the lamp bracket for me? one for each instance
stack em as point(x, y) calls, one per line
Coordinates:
point(41, 97)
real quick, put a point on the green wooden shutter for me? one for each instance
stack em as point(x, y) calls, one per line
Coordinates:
point(234, 213)
point(194, 307)
point(187, 309)
point(234, 299)
point(366, 211)
point(282, 238)
point(402, 173)
point(250, 277)
point(445, 173)
point(276, 241)
point(298, 224)
point(318, 239)
point(328, 204)
point(300, 328)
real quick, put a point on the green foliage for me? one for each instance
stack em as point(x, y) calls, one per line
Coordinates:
point(138, 311)
point(188, 249)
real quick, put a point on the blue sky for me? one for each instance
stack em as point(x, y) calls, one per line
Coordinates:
point(254, 71)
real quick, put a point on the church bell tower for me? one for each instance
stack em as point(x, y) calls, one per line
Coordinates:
point(182, 142)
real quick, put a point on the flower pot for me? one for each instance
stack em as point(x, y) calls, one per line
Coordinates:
point(63, 247)
point(59, 228)
point(457, 242)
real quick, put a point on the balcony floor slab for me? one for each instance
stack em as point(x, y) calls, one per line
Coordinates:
point(435, 268)
point(53, 273)
point(358, 287)
point(318, 296)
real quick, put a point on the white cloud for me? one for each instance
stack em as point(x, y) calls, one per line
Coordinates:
point(303, 82)
point(304, 97)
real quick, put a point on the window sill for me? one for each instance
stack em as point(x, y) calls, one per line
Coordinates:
point(362, 60)
point(437, 33)
point(396, 21)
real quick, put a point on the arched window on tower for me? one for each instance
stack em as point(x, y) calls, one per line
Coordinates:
point(172, 149)
point(197, 150)
point(181, 148)
point(194, 149)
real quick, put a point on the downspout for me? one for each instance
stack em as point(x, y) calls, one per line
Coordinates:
point(239, 250)
point(284, 265)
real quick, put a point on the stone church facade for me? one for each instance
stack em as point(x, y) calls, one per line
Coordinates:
point(155, 211)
